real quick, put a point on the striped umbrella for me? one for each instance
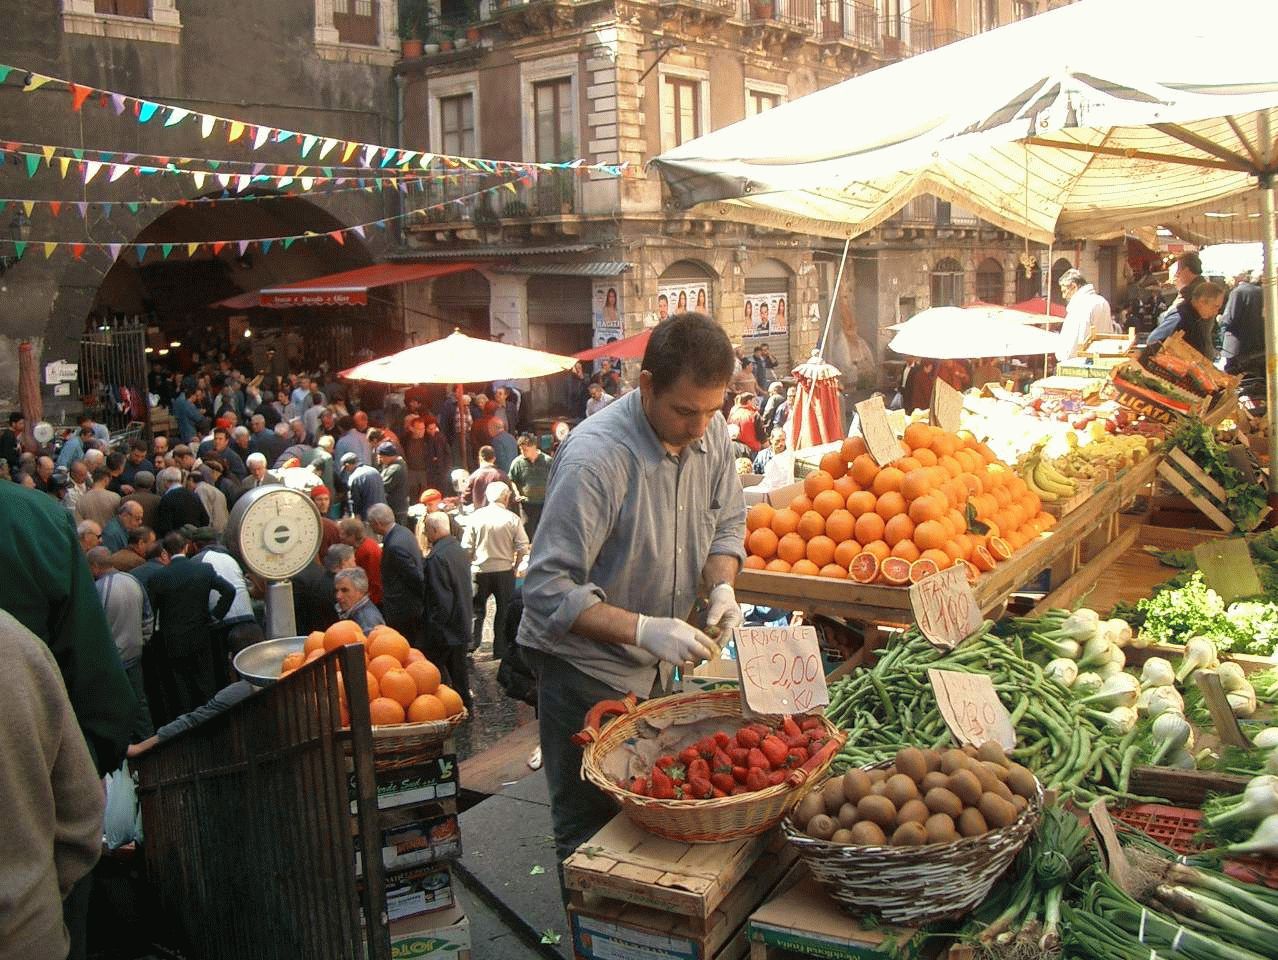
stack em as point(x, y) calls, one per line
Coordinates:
point(817, 416)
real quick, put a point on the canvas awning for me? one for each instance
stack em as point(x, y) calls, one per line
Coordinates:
point(348, 288)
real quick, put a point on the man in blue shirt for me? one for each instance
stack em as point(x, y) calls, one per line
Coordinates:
point(187, 413)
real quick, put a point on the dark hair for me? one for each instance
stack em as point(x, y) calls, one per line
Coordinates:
point(86, 431)
point(15, 416)
point(692, 345)
point(1208, 289)
point(101, 473)
point(136, 444)
point(526, 440)
point(174, 543)
point(115, 461)
point(487, 454)
point(1190, 261)
point(83, 419)
point(346, 422)
point(156, 549)
point(138, 534)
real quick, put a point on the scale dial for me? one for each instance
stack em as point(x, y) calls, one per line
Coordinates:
point(275, 531)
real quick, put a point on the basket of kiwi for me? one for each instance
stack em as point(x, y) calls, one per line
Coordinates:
point(919, 839)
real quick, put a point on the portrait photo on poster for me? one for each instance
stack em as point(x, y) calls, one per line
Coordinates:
point(682, 296)
point(605, 310)
point(766, 314)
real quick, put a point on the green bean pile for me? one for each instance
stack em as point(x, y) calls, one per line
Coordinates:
point(891, 705)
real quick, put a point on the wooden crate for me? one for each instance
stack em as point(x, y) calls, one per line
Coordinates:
point(1060, 508)
point(1187, 788)
point(1197, 487)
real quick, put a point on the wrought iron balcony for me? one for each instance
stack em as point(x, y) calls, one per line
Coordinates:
point(553, 193)
point(800, 15)
point(850, 21)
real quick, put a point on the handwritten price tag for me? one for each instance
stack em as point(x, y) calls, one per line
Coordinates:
point(882, 443)
point(947, 406)
point(945, 607)
point(781, 670)
point(971, 708)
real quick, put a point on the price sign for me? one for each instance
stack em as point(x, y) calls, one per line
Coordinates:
point(945, 607)
point(971, 708)
point(60, 371)
point(1227, 568)
point(781, 670)
point(1222, 714)
point(947, 406)
point(882, 443)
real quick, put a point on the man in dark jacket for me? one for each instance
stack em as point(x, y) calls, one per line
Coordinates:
point(451, 602)
point(1195, 317)
point(394, 480)
point(178, 507)
point(1243, 323)
point(402, 584)
point(180, 597)
point(364, 487)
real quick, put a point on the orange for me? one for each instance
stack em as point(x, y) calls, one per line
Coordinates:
point(806, 568)
point(763, 543)
point(906, 550)
point(930, 507)
point(399, 685)
point(1016, 486)
point(821, 550)
point(759, 515)
point(864, 568)
point(342, 633)
point(840, 526)
point(986, 453)
point(425, 675)
point(754, 563)
point(801, 504)
point(845, 551)
point(845, 486)
point(926, 457)
point(426, 707)
point(415, 655)
point(314, 641)
point(973, 484)
point(450, 698)
point(784, 521)
point(998, 547)
point(906, 464)
point(944, 444)
point(889, 478)
point(834, 572)
point(293, 661)
point(1003, 495)
point(958, 521)
point(955, 491)
point(938, 557)
point(916, 483)
point(930, 535)
point(950, 465)
point(384, 711)
point(966, 545)
point(922, 567)
point(791, 548)
point(869, 526)
point(777, 566)
point(1049, 520)
point(834, 465)
point(852, 448)
point(970, 569)
point(895, 571)
point(890, 505)
point(898, 528)
point(379, 665)
point(863, 501)
point(811, 524)
point(314, 655)
point(953, 550)
point(864, 470)
point(816, 481)
point(1031, 502)
point(827, 501)
point(879, 549)
point(981, 558)
point(918, 436)
point(373, 687)
point(391, 643)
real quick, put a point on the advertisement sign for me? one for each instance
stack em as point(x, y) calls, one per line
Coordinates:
point(680, 296)
point(605, 311)
point(766, 314)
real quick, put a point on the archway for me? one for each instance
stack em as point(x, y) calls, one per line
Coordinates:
point(1059, 267)
point(769, 309)
point(947, 283)
point(686, 285)
point(989, 282)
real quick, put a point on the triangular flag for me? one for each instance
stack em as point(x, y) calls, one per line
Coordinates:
point(191, 248)
point(224, 179)
point(49, 247)
point(308, 144)
point(199, 180)
point(258, 168)
point(83, 207)
point(266, 245)
point(284, 182)
point(243, 246)
point(217, 246)
point(425, 160)
point(215, 163)
point(142, 249)
point(78, 95)
point(307, 182)
point(114, 249)
point(63, 164)
point(133, 207)
point(326, 147)
point(386, 156)
point(259, 137)
point(406, 157)
point(511, 187)
point(77, 250)
point(288, 242)
point(55, 206)
point(350, 148)
point(77, 153)
point(19, 248)
point(4, 72)
point(91, 170)
point(338, 236)
point(33, 164)
point(242, 183)
point(35, 81)
point(28, 206)
point(166, 249)
point(370, 151)
point(117, 101)
point(358, 230)
point(176, 116)
point(206, 125)
point(47, 152)
point(117, 171)
point(236, 131)
point(147, 110)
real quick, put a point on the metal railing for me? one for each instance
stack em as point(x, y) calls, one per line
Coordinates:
point(796, 13)
point(726, 7)
point(851, 20)
point(552, 193)
point(928, 211)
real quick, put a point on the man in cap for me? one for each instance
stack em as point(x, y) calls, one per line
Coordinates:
point(394, 480)
point(363, 485)
point(323, 499)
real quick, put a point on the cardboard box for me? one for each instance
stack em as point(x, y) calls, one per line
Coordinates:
point(712, 676)
point(443, 934)
point(416, 843)
point(419, 890)
point(422, 783)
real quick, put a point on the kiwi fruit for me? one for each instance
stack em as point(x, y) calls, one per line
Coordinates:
point(856, 784)
point(877, 810)
point(999, 789)
point(985, 775)
point(844, 836)
point(1021, 782)
point(915, 810)
point(878, 788)
point(992, 752)
point(997, 769)
point(832, 796)
point(933, 779)
point(940, 828)
point(847, 815)
point(971, 823)
point(933, 759)
point(966, 787)
point(909, 834)
point(877, 774)
point(952, 761)
point(911, 763)
point(969, 749)
point(1020, 803)
point(867, 834)
point(899, 789)
point(822, 826)
point(941, 800)
point(996, 811)
point(809, 807)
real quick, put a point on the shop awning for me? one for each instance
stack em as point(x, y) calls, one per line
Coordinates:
point(348, 288)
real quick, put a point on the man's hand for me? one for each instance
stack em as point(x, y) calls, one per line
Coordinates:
point(724, 611)
point(673, 641)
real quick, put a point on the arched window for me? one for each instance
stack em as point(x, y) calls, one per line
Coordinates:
point(989, 281)
point(1029, 287)
point(1059, 267)
point(947, 283)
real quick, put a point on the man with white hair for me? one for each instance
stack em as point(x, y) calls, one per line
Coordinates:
point(363, 484)
point(497, 543)
point(258, 475)
point(178, 505)
point(128, 516)
point(451, 600)
point(401, 567)
point(353, 603)
point(77, 484)
point(89, 534)
point(129, 617)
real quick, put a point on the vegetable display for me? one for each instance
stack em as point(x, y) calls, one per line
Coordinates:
point(1245, 499)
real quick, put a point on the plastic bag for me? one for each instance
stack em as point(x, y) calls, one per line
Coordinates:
point(123, 821)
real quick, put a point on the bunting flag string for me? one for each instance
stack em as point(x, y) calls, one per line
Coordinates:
point(235, 128)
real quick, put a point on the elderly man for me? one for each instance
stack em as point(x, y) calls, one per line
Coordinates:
point(497, 543)
point(239, 628)
point(598, 399)
point(133, 555)
point(323, 499)
point(353, 601)
point(368, 553)
point(202, 481)
point(128, 614)
point(178, 506)
point(364, 486)
point(89, 534)
point(450, 599)
point(776, 445)
point(487, 472)
point(1086, 314)
point(401, 568)
point(352, 440)
point(313, 591)
point(394, 480)
point(44, 474)
point(265, 440)
point(1194, 317)
point(145, 496)
point(77, 484)
point(98, 503)
point(258, 475)
point(75, 448)
point(128, 516)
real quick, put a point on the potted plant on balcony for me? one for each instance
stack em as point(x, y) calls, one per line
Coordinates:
point(413, 15)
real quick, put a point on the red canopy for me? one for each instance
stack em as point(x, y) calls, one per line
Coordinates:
point(350, 287)
point(1039, 306)
point(631, 348)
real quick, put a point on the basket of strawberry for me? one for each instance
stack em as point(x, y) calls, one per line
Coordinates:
point(690, 767)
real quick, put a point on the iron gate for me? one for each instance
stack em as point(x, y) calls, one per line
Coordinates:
point(112, 376)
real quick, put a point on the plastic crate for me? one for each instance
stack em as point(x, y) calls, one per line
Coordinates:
point(1177, 827)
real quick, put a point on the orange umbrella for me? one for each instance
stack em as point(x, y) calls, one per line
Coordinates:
point(817, 416)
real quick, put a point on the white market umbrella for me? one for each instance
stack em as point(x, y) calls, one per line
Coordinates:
point(1079, 122)
point(458, 358)
point(956, 333)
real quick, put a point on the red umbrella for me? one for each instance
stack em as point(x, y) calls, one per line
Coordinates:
point(631, 348)
point(1037, 305)
point(817, 416)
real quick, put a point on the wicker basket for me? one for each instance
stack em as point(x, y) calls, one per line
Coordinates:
point(915, 885)
point(697, 821)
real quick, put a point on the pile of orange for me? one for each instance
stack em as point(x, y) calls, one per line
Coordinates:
point(403, 686)
point(898, 523)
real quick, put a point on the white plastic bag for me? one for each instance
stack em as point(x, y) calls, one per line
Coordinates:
point(123, 821)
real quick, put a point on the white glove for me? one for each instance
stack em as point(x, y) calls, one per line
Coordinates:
point(673, 641)
point(724, 612)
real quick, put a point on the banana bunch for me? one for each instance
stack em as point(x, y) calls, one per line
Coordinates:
point(1044, 479)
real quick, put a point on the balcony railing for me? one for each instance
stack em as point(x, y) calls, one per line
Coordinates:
point(725, 8)
point(928, 211)
point(850, 20)
point(907, 37)
point(553, 193)
point(800, 14)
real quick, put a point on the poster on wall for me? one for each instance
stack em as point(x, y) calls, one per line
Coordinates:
point(605, 311)
point(680, 296)
point(766, 314)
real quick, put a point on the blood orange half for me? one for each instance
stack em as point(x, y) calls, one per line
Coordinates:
point(864, 567)
point(921, 568)
point(999, 548)
point(982, 559)
point(895, 570)
point(969, 568)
